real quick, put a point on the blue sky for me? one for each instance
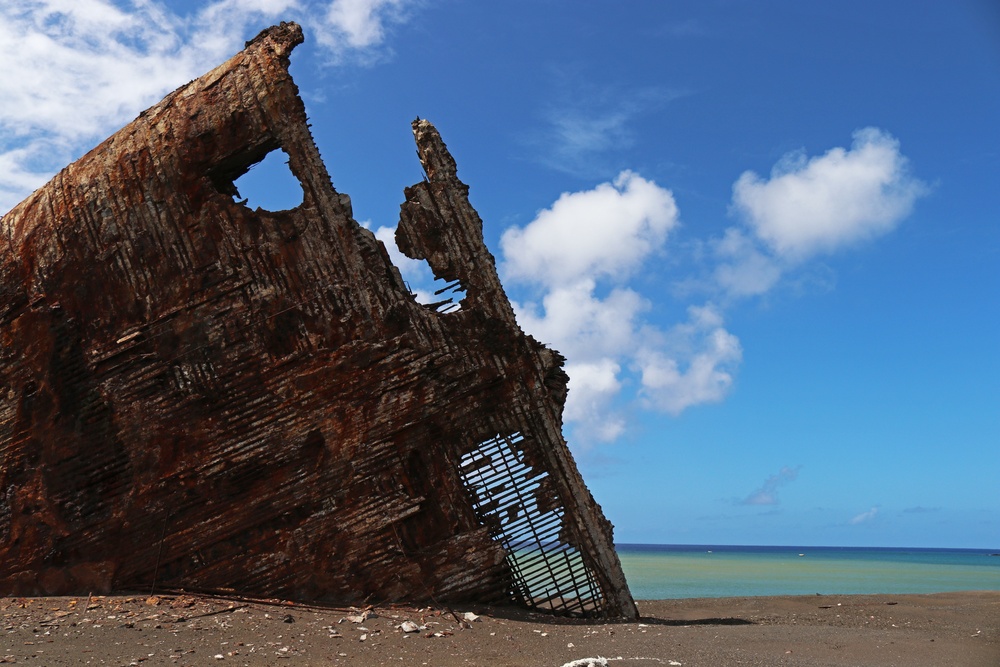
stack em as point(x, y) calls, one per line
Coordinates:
point(765, 234)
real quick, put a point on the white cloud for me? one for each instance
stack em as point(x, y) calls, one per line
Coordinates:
point(694, 366)
point(593, 388)
point(606, 232)
point(809, 206)
point(864, 517)
point(767, 494)
point(823, 203)
point(76, 68)
point(416, 273)
point(238, 20)
point(74, 71)
point(359, 24)
point(586, 327)
point(580, 253)
point(583, 250)
point(596, 335)
point(413, 270)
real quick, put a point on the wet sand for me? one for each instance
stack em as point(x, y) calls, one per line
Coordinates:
point(954, 629)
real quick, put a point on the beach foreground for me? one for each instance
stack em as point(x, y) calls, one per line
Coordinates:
point(851, 630)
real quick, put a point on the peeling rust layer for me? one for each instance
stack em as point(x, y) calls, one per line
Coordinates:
point(196, 395)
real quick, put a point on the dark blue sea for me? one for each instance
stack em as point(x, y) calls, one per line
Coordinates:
point(657, 571)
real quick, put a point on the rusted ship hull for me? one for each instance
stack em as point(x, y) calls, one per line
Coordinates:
point(196, 395)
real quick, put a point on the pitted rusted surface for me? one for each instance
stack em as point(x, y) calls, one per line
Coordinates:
point(197, 395)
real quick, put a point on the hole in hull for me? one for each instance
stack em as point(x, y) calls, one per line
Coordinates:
point(269, 184)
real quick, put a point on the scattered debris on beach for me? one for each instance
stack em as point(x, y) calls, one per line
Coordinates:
point(961, 629)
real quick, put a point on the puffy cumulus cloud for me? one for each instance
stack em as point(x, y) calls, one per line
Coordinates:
point(579, 254)
point(76, 70)
point(767, 494)
point(605, 232)
point(695, 364)
point(809, 206)
point(820, 204)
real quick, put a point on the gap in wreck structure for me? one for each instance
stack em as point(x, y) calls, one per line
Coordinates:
point(447, 296)
point(524, 514)
point(444, 296)
point(269, 184)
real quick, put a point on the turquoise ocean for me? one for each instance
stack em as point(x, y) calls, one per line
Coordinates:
point(658, 571)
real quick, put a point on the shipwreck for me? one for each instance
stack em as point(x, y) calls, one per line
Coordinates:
point(196, 395)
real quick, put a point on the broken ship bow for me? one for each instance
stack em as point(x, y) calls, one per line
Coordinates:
point(198, 395)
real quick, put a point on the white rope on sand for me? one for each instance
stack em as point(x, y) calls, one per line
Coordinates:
point(603, 662)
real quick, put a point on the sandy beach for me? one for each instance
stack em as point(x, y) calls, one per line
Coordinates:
point(951, 629)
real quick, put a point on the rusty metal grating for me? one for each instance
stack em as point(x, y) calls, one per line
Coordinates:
point(523, 512)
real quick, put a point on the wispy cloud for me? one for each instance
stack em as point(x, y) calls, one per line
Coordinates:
point(577, 137)
point(587, 127)
point(864, 517)
point(357, 28)
point(767, 494)
point(74, 72)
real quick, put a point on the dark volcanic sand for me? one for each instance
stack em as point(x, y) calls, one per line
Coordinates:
point(949, 629)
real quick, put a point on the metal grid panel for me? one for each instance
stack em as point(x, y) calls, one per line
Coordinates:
point(525, 515)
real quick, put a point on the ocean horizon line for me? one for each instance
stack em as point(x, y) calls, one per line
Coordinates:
point(828, 547)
